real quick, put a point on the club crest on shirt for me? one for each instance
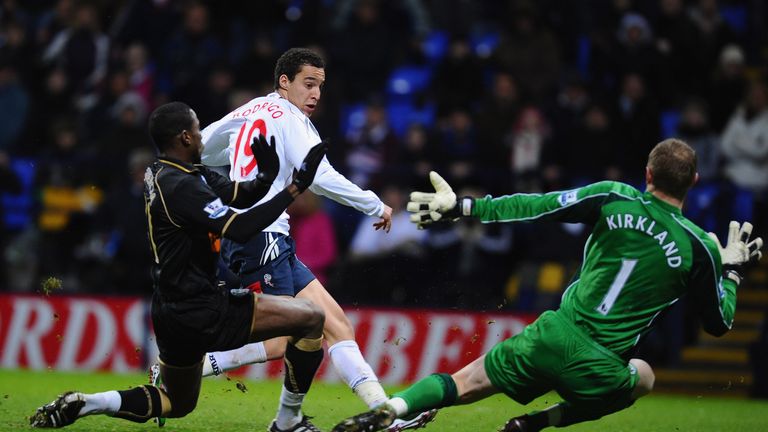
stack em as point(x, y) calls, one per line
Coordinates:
point(567, 198)
point(215, 209)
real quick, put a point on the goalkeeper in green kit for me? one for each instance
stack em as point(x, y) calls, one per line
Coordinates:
point(641, 257)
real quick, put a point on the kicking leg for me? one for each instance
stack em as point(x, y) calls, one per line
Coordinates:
point(344, 351)
point(466, 386)
point(138, 404)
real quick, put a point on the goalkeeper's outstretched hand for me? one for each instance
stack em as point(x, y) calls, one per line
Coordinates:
point(738, 250)
point(430, 207)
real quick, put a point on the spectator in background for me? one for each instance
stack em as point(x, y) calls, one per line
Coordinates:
point(498, 109)
point(361, 48)
point(527, 141)
point(141, 74)
point(415, 158)
point(637, 117)
point(129, 270)
point(312, 229)
point(529, 52)
point(568, 110)
point(455, 80)
point(68, 202)
point(371, 148)
point(694, 128)
point(213, 99)
point(258, 61)
point(14, 45)
point(712, 33)
point(635, 52)
point(676, 45)
point(745, 147)
point(81, 51)
point(387, 265)
point(14, 104)
point(190, 52)
point(459, 147)
point(9, 183)
point(591, 154)
point(728, 87)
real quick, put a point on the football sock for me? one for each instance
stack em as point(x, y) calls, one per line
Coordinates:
point(216, 363)
point(140, 404)
point(289, 413)
point(107, 402)
point(302, 359)
point(434, 391)
point(301, 362)
point(356, 372)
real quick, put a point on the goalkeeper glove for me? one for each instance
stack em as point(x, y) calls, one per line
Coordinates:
point(430, 207)
point(738, 250)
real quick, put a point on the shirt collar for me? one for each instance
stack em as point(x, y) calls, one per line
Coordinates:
point(293, 108)
point(663, 204)
point(175, 163)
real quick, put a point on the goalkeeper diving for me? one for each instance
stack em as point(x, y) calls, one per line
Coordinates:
point(642, 256)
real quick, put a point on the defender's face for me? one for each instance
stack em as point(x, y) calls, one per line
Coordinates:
point(304, 90)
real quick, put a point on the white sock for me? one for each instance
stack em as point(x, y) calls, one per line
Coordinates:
point(289, 412)
point(357, 373)
point(216, 363)
point(107, 402)
point(400, 406)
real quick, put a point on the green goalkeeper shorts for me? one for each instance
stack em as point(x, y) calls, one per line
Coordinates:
point(554, 354)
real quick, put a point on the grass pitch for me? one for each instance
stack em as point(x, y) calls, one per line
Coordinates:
point(225, 407)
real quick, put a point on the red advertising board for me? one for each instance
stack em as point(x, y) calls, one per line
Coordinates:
point(114, 334)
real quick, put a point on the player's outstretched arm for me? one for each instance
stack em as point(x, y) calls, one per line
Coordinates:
point(241, 227)
point(430, 207)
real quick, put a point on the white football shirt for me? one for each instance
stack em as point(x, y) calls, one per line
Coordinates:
point(227, 142)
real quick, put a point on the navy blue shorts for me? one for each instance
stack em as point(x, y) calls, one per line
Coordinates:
point(267, 263)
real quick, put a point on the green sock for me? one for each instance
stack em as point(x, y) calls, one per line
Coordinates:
point(434, 391)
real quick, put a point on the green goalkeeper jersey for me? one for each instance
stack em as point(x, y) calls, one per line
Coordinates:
point(640, 258)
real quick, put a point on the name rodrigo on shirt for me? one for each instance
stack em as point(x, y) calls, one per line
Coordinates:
point(628, 221)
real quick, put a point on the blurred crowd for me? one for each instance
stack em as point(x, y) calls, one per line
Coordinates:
point(498, 96)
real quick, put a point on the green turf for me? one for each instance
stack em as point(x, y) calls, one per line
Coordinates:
point(223, 407)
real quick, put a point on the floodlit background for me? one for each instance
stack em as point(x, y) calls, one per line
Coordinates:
point(498, 96)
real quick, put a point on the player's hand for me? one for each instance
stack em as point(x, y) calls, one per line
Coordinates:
point(386, 220)
point(266, 157)
point(305, 174)
point(429, 207)
point(738, 250)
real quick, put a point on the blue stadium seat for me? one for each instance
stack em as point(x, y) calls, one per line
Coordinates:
point(669, 121)
point(408, 80)
point(735, 16)
point(584, 56)
point(18, 208)
point(700, 205)
point(435, 45)
point(483, 44)
point(402, 114)
point(352, 117)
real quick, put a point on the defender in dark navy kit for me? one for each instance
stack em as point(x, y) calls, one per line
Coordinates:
point(190, 207)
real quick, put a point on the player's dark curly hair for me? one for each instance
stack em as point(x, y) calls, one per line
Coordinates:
point(167, 121)
point(673, 164)
point(292, 60)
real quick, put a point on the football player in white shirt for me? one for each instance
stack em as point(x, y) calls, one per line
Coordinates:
point(268, 263)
